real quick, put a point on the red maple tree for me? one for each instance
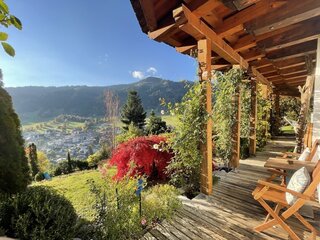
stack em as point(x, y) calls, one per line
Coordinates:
point(141, 156)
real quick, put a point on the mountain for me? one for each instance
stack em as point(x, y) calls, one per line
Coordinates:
point(34, 104)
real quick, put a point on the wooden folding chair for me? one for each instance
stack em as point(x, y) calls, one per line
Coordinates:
point(268, 191)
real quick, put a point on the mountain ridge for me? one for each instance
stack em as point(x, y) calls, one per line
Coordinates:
point(38, 103)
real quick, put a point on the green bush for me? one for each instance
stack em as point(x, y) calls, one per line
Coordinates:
point(38, 213)
point(160, 202)
point(94, 159)
point(39, 177)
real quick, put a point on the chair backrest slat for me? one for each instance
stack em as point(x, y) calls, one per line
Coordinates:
point(314, 150)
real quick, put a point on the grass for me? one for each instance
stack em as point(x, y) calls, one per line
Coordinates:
point(51, 125)
point(287, 130)
point(75, 188)
point(171, 120)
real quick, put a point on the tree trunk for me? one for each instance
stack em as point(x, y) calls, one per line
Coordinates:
point(306, 92)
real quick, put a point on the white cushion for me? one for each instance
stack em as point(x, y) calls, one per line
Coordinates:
point(298, 183)
point(316, 155)
point(305, 154)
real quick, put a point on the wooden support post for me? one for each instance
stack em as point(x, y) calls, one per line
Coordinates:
point(316, 99)
point(253, 118)
point(235, 157)
point(204, 59)
point(276, 115)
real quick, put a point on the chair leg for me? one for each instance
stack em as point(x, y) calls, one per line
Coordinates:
point(314, 231)
point(276, 220)
point(276, 210)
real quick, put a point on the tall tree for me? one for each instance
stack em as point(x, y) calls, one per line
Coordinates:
point(14, 173)
point(69, 162)
point(133, 112)
point(155, 124)
point(112, 103)
point(33, 159)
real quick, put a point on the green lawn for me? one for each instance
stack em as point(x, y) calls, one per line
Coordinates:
point(287, 130)
point(51, 125)
point(76, 189)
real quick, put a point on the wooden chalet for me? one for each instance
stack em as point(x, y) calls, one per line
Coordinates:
point(275, 41)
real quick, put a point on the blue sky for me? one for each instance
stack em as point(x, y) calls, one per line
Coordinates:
point(82, 42)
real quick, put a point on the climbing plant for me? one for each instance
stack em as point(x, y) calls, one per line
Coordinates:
point(187, 137)
point(226, 86)
point(263, 113)
point(245, 98)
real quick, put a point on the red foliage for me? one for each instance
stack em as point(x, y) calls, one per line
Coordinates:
point(146, 159)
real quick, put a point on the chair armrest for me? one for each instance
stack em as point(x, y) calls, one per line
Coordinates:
point(283, 189)
point(293, 154)
point(278, 172)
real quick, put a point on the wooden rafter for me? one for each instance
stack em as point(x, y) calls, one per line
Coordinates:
point(149, 14)
point(236, 22)
point(293, 12)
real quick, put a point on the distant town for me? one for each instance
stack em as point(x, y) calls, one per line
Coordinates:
point(80, 136)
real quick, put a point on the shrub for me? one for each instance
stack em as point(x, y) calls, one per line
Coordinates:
point(132, 132)
point(38, 213)
point(81, 165)
point(142, 155)
point(94, 159)
point(117, 215)
point(160, 202)
point(39, 177)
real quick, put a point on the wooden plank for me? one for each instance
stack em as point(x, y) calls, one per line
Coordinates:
point(293, 62)
point(218, 44)
point(293, 12)
point(149, 14)
point(204, 59)
point(307, 31)
point(264, 62)
point(253, 55)
point(253, 118)
point(235, 23)
point(186, 49)
point(205, 8)
point(260, 77)
point(250, 40)
point(289, 164)
point(298, 50)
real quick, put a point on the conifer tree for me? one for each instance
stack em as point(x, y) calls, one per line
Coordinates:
point(133, 112)
point(33, 158)
point(14, 173)
point(155, 125)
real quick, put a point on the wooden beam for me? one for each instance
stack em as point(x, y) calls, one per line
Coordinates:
point(293, 12)
point(293, 62)
point(253, 55)
point(253, 118)
point(260, 77)
point(218, 44)
point(292, 70)
point(267, 69)
point(264, 62)
point(204, 8)
point(235, 23)
point(149, 14)
point(249, 41)
point(308, 31)
point(204, 59)
point(186, 49)
point(298, 50)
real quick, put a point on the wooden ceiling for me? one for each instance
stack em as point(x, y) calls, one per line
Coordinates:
point(276, 37)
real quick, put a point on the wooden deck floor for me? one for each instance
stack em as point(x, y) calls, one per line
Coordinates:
point(231, 212)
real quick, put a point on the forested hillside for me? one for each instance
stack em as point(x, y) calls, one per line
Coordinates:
point(35, 104)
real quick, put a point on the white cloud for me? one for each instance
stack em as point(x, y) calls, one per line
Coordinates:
point(152, 70)
point(138, 74)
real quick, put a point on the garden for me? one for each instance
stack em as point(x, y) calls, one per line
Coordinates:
point(123, 190)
